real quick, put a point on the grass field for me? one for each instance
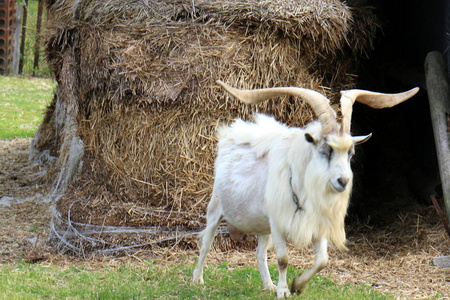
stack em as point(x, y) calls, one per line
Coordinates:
point(22, 104)
point(39, 281)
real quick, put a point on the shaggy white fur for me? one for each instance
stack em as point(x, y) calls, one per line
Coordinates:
point(274, 182)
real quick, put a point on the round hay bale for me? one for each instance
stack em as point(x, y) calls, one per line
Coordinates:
point(138, 77)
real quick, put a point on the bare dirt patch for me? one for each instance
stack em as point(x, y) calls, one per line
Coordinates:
point(394, 258)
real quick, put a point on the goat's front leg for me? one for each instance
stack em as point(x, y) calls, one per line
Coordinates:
point(282, 257)
point(299, 283)
point(261, 252)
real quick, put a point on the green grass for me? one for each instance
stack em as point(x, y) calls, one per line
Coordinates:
point(22, 104)
point(24, 281)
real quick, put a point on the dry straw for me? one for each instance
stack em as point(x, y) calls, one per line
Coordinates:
point(140, 75)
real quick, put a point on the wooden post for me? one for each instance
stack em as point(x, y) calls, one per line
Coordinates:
point(439, 100)
point(38, 36)
point(16, 40)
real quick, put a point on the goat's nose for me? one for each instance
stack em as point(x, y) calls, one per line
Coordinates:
point(343, 181)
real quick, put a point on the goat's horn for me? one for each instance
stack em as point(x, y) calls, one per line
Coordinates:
point(379, 100)
point(319, 103)
point(372, 99)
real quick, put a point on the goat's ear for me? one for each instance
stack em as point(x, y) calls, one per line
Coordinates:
point(309, 138)
point(361, 139)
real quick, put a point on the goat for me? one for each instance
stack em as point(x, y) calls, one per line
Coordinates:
point(283, 183)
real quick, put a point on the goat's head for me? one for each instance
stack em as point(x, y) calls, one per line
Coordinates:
point(335, 145)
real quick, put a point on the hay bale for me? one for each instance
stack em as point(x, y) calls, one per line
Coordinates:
point(139, 77)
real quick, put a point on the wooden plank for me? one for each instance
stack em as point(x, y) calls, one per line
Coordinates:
point(442, 261)
point(439, 100)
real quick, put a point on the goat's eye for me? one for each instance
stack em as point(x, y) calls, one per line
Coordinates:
point(326, 151)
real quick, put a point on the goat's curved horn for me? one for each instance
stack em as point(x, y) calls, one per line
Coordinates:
point(318, 102)
point(372, 99)
point(379, 100)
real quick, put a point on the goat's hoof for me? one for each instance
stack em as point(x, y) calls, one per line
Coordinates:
point(298, 286)
point(198, 280)
point(271, 287)
point(283, 293)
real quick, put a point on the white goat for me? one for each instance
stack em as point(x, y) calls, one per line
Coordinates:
point(283, 183)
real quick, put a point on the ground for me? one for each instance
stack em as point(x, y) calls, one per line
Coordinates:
point(396, 258)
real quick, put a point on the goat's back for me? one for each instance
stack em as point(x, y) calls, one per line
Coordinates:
point(241, 171)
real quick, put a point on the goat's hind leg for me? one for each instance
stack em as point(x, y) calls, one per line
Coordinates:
point(264, 242)
point(213, 218)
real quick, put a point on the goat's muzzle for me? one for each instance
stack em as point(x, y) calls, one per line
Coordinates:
point(340, 184)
